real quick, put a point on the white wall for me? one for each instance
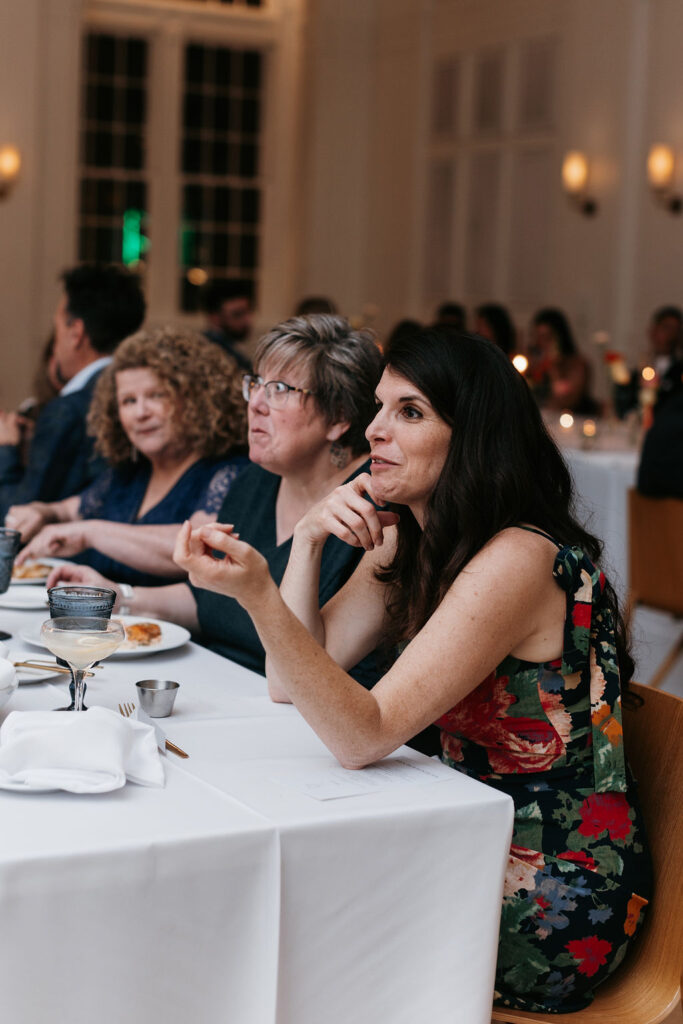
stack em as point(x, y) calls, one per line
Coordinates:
point(619, 83)
point(38, 92)
point(660, 242)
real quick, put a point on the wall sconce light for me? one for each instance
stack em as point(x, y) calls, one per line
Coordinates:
point(660, 174)
point(10, 165)
point(574, 180)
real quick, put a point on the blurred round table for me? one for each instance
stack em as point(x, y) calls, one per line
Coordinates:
point(603, 459)
point(602, 481)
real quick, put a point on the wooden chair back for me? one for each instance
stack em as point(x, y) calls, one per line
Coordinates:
point(656, 552)
point(647, 987)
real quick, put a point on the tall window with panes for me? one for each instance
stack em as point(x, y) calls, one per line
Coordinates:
point(219, 167)
point(217, 164)
point(113, 226)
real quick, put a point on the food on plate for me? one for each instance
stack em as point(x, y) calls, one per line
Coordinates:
point(142, 634)
point(31, 571)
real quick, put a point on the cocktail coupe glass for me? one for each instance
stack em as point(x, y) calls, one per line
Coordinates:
point(75, 601)
point(81, 641)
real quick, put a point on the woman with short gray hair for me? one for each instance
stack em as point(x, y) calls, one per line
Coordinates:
point(309, 402)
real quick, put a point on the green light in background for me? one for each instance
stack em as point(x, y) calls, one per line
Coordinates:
point(187, 244)
point(134, 243)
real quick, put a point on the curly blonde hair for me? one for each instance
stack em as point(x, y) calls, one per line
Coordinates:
point(204, 382)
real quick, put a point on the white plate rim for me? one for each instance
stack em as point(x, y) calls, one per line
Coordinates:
point(23, 600)
point(182, 635)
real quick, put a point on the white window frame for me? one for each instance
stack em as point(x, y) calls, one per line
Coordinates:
point(275, 29)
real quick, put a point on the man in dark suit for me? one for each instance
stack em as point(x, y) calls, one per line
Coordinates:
point(100, 306)
point(660, 474)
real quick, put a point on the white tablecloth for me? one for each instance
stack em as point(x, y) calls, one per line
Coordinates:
point(233, 896)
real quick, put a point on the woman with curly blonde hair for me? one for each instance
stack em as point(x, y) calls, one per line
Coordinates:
point(168, 416)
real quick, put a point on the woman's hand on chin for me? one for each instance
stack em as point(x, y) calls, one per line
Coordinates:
point(243, 573)
point(346, 513)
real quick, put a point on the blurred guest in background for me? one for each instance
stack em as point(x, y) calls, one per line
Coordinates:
point(559, 375)
point(100, 306)
point(660, 474)
point(46, 386)
point(451, 314)
point(400, 330)
point(494, 322)
point(666, 340)
point(315, 304)
point(665, 335)
point(229, 311)
point(169, 418)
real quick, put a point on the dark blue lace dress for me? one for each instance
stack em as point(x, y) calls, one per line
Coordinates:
point(117, 494)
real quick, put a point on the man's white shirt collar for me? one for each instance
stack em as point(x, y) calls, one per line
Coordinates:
point(83, 376)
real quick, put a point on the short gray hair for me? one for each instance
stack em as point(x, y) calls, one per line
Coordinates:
point(343, 367)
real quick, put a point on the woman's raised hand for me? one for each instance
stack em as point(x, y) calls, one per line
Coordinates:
point(348, 514)
point(242, 573)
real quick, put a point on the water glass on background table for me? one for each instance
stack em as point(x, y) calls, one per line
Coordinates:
point(92, 602)
point(9, 545)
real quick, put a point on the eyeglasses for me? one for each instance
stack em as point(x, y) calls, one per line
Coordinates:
point(276, 391)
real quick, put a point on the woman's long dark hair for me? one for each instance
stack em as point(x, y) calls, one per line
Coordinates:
point(502, 469)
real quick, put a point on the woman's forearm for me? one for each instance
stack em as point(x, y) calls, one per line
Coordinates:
point(174, 603)
point(146, 548)
point(299, 591)
point(348, 720)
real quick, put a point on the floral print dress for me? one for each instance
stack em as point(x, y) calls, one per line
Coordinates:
point(550, 736)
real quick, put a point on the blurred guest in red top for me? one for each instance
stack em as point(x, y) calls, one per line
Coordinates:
point(559, 375)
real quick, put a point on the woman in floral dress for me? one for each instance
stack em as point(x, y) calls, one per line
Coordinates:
point(476, 570)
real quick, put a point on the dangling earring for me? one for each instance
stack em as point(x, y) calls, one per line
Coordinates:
point(339, 455)
point(134, 453)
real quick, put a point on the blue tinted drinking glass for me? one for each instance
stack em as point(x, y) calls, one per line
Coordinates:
point(93, 602)
point(9, 545)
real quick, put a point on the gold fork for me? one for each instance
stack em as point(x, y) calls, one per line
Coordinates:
point(127, 709)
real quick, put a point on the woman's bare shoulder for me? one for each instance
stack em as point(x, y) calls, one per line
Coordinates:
point(519, 552)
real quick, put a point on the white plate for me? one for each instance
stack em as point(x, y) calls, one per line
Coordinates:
point(171, 636)
point(30, 599)
point(51, 562)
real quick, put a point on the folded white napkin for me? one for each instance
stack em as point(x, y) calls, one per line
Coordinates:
point(8, 678)
point(90, 751)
